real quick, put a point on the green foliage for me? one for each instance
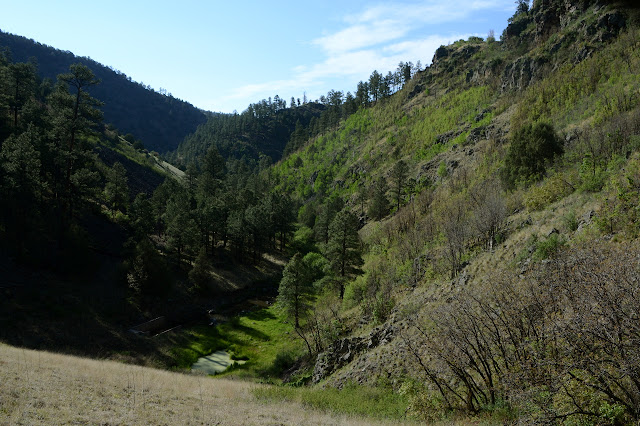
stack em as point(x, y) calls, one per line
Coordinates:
point(260, 337)
point(382, 307)
point(296, 289)
point(549, 247)
point(147, 274)
point(263, 128)
point(442, 170)
point(399, 177)
point(303, 241)
point(379, 206)
point(570, 221)
point(598, 87)
point(423, 404)
point(357, 400)
point(116, 190)
point(199, 276)
point(592, 176)
point(532, 149)
point(412, 137)
point(619, 209)
point(612, 413)
point(550, 190)
point(20, 164)
point(443, 114)
point(344, 249)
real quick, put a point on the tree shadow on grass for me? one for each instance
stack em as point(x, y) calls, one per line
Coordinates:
point(252, 332)
point(260, 315)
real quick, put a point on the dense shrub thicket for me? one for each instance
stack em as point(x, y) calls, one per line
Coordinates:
point(559, 342)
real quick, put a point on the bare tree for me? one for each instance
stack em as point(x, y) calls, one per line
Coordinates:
point(489, 209)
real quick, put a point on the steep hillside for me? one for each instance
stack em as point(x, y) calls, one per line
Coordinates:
point(496, 194)
point(454, 103)
point(159, 121)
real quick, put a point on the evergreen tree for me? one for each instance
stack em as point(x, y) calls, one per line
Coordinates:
point(375, 85)
point(379, 206)
point(21, 87)
point(181, 228)
point(141, 215)
point(21, 184)
point(199, 276)
point(399, 178)
point(116, 191)
point(363, 95)
point(213, 166)
point(344, 250)
point(533, 147)
point(296, 290)
point(325, 216)
point(73, 116)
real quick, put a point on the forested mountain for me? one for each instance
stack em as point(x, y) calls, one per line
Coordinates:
point(261, 131)
point(160, 121)
point(461, 240)
point(270, 128)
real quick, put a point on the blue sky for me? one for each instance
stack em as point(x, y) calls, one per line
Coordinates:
point(222, 56)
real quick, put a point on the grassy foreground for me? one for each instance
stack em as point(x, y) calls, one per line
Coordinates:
point(352, 400)
point(46, 388)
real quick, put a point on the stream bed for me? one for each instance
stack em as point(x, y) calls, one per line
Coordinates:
point(214, 363)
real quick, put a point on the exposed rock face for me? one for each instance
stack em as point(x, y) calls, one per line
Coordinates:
point(522, 72)
point(448, 57)
point(551, 15)
point(345, 350)
point(419, 88)
point(608, 26)
point(547, 16)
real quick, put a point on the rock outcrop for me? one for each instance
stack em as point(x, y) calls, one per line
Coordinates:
point(343, 351)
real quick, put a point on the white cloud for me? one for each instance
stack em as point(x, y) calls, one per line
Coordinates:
point(378, 38)
point(359, 36)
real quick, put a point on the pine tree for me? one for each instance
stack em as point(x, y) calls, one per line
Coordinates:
point(379, 206)
point(344, 250)
point(199, 275)
point(399, 178)
point(73, 116)
point(116, 190)
point(296, 290)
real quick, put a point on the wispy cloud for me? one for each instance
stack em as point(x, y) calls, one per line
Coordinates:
point(377, 38)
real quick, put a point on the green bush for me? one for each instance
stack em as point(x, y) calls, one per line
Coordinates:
point(570, 221)
point(592, 176)
point(549, 191)
point(533, 148)
point(549, 247)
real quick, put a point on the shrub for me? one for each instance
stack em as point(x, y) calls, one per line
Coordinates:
point(549, 247)
point(442, 170)
point(592, 176)
point(551, 190)
point(570, 221)
point(532, 148)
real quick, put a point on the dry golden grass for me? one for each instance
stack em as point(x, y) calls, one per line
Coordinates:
point(46, 388)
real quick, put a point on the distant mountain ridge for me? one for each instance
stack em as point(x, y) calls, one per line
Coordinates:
point(161, 122)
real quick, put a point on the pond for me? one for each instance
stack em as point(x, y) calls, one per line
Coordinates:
point(214, 363)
